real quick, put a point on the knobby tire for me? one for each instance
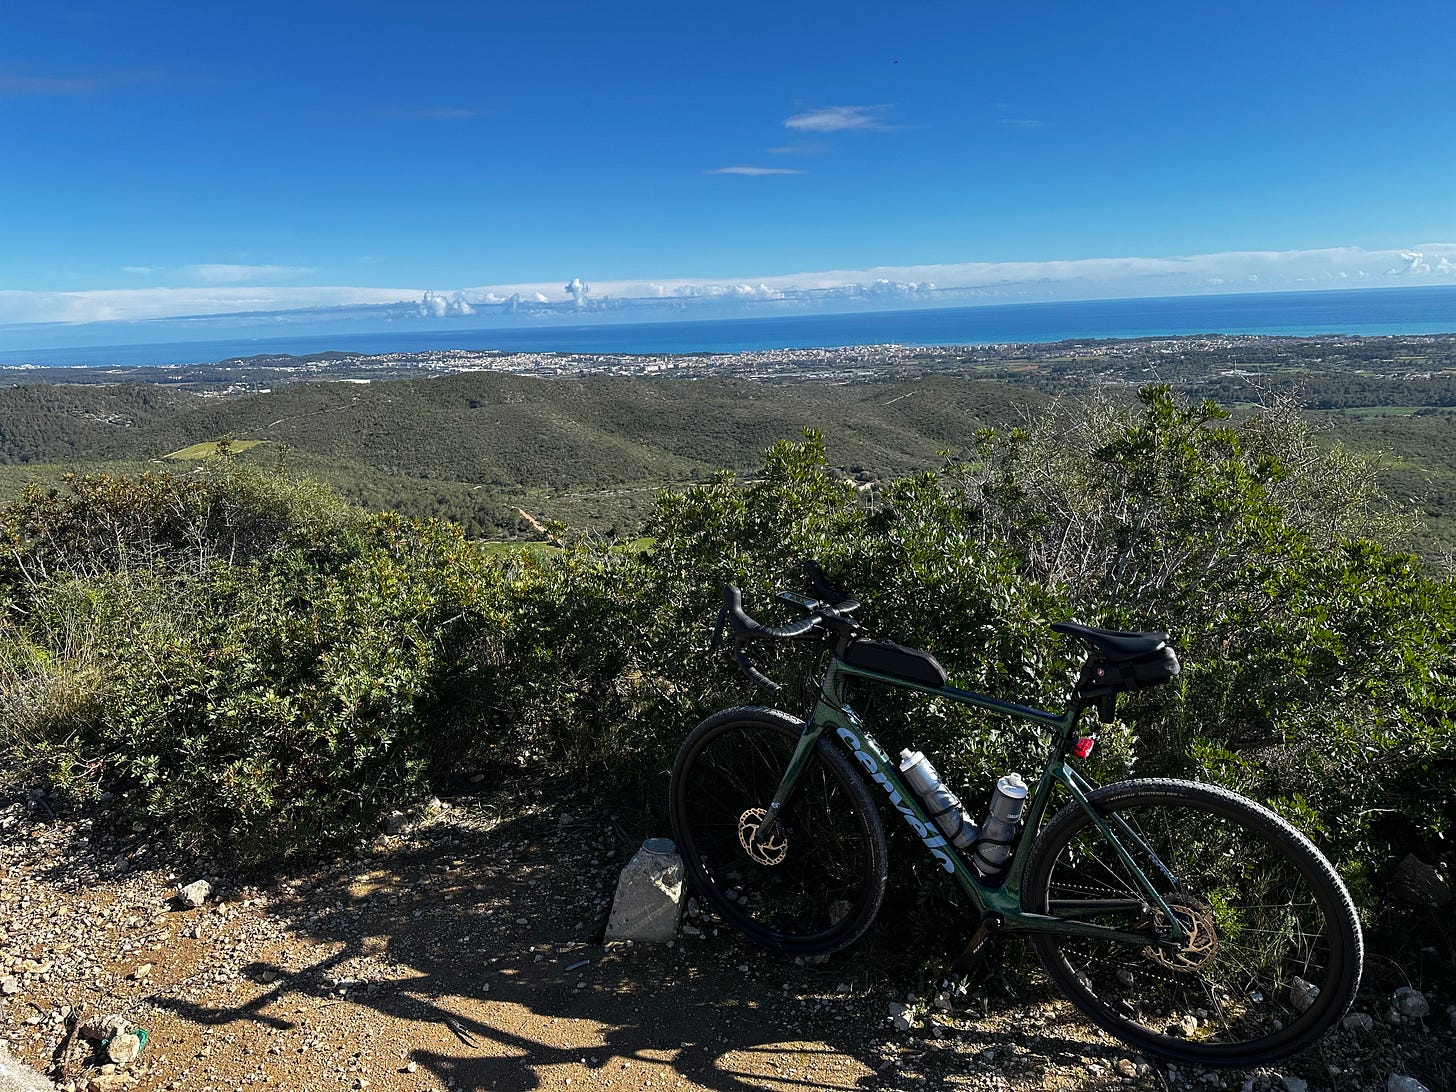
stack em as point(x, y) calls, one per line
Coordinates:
point(1278, 951)
point(817, 883)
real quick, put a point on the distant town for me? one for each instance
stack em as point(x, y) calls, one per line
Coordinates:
point(1092, 361)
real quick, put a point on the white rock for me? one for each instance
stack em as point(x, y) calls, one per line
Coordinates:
point(1294, 1084)
point(1399, 1082)
point(124, 1048)
point(650, 895)
point(9, 984)
point(194, 894)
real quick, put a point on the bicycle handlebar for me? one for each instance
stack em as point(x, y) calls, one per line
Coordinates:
point(746, 628)
point(832, 609)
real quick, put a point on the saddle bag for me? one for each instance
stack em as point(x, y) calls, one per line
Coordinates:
point(1153, 669)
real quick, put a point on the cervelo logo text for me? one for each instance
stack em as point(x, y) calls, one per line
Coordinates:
point(932, 841)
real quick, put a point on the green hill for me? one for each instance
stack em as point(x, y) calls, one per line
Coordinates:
point(477, 447)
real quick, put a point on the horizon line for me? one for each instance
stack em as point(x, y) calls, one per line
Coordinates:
point(432, 332)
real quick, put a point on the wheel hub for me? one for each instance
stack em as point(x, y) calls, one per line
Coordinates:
point(766, 851)
point(1200, 945)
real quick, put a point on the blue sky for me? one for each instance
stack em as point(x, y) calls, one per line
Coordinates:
point(180, 158)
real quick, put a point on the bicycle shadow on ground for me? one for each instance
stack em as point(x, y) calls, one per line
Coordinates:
point(472, 952)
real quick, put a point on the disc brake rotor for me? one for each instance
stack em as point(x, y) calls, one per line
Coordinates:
point(1201, 944)
point(766, 851)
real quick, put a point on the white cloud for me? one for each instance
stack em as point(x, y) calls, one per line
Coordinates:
point(140, 304)
point(754, 170)
point(14, 84)
point(435, 305)
point(237, 274)
point(138, 270)
point(835, 119)
point(918, 285)
point(1020, 123)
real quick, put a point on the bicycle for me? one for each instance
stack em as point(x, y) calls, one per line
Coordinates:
point(1187, 921)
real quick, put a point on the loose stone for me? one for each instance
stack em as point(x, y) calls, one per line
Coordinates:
point(194, 894)
point(1410, 1002)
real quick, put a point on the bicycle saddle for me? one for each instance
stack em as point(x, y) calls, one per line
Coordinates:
point(1114, 645)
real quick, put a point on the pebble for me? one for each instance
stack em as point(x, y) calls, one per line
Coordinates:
point(1399, 1082)
point(124, 1048)
point(105, 1027)
point(9, 984)
point(1359, 1021)
point(1294, 1084)
point(1410, 1002)
point(1303, 994)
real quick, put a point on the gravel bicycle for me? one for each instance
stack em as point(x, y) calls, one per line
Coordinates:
point(1188, 921)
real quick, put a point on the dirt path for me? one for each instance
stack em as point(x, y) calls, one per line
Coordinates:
point(462, 954)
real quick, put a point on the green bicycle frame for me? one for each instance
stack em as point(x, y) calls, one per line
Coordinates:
point(1001, 899)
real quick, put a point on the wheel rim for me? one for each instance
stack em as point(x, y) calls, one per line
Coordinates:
point(802, 880)
point(1259, 966)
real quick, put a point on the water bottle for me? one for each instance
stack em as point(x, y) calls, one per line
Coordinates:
point(940, 803)
point(999, 829)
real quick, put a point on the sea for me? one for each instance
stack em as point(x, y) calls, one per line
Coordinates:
point(1363, 312)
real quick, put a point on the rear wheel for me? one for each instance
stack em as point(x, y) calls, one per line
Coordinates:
point(815, 883)
point(1274, 951)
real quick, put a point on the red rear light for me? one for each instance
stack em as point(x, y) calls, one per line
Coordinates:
point(1084, 746)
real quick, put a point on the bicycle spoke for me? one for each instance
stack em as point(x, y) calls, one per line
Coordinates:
point(817, 864)
point(1259, 952)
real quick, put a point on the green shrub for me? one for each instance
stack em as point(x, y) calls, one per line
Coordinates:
point(260, 668)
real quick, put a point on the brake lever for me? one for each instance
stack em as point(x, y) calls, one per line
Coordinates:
point(830, 596)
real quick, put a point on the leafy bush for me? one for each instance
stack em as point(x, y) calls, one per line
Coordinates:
point(246, 661)
point(257, 666)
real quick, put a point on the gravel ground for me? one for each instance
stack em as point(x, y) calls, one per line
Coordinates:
point(463, 953)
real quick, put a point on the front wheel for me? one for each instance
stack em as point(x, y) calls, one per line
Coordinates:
point(815, 882)
point(1273, 950)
